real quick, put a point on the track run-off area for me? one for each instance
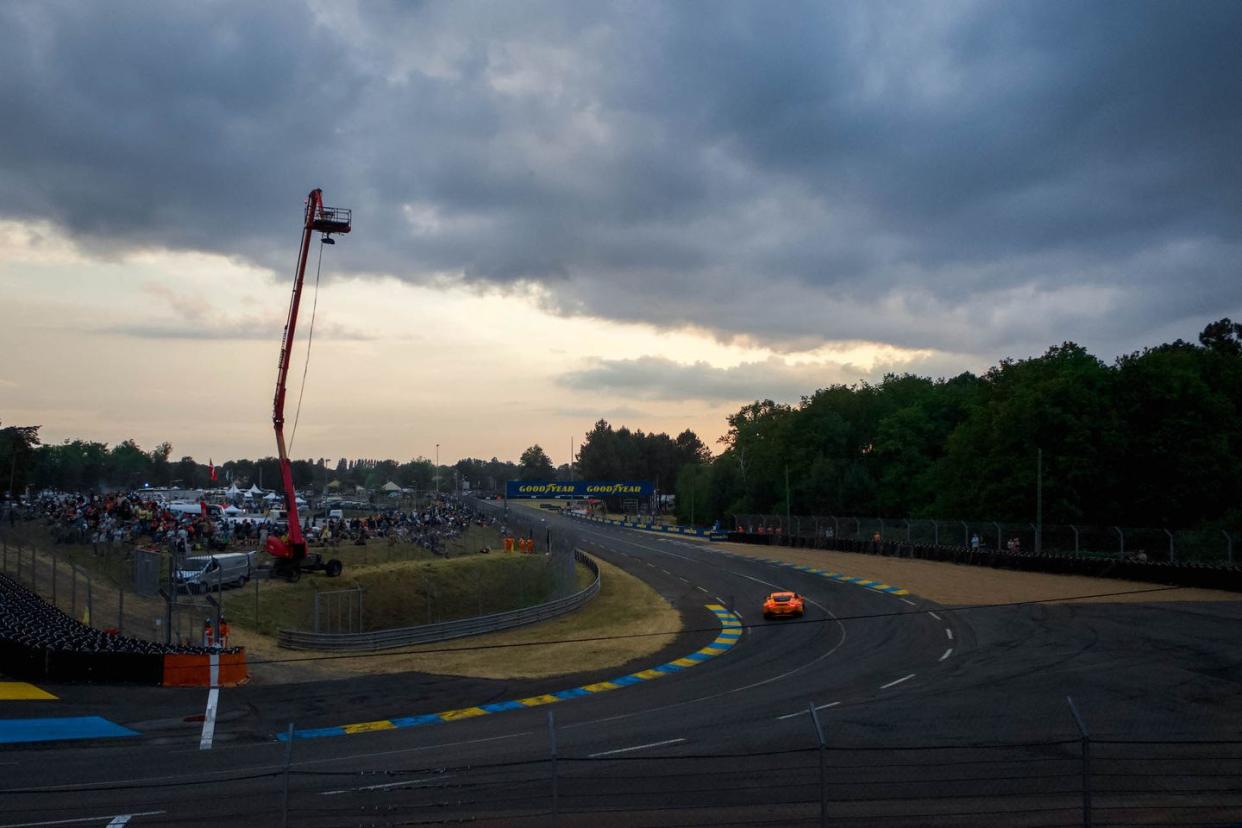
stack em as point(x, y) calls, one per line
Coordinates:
point(928, 714)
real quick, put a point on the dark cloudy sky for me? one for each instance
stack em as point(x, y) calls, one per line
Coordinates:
point(716, 200)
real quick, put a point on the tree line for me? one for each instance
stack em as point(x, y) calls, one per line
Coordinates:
point(1153, 439)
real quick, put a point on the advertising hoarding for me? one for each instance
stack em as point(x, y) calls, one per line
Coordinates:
point(578, 488)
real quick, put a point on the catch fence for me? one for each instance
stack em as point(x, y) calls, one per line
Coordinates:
point(552, 572)
point(1211, 546)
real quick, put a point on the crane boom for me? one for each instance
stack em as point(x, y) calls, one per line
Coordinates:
point(326, 220)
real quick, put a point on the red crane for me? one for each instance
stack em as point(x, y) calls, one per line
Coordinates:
point(290, 551)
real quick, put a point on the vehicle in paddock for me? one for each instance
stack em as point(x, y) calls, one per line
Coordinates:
point(783, 605)
point(204, 573)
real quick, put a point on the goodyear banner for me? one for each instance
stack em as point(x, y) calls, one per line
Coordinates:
point(578, 488)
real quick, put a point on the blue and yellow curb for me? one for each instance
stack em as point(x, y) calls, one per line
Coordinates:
point(730, 632)
point(877, 586)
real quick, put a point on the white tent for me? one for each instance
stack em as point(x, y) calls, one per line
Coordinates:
point(391, 487)
point(254, 490)
point(232, 510)
point(232, 490)
point(271, 496)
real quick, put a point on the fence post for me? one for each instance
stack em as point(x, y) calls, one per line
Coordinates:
point(359, 609)
point(935, 532)
point(1121, 553)
point(73, 592)
point(965, 533)
point(284, 809)
point(823, 769)
point(5, 543)
point(256, 604)
point(53, 580)
point(1172, 552)
point(1075, 529)
point(1000, 542)
point(1228, 545)
point(120, 611)
point(90, 602)
point(1086, 764)
point(556, 806)
point(316, 610)
point(908, 539)
point(19, 563)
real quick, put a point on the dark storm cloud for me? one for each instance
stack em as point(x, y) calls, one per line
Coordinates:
point(970, 177)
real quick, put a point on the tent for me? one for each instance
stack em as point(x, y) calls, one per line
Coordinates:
point(232, 490)
point(232, 510)
point(271, 496)
point(391, 487)
point(254, 490)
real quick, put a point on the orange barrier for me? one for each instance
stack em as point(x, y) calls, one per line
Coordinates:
point(195, 670)
point(508, 544)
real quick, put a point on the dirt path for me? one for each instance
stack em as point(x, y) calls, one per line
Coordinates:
point(957, 584)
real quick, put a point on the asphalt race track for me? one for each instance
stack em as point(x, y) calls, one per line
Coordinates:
point(930, 716)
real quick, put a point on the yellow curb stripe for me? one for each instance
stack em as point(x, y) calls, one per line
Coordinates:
point(368, 727)
point(601, 687)
point(535, 701)
point(23, 691)
point(464, 713)
point(649, 674)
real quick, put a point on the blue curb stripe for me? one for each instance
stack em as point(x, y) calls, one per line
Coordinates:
point(13, 731)
point(730, 632)
point(874, 586)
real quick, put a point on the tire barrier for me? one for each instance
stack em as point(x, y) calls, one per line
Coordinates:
point(40, 642)
point(1206, 576)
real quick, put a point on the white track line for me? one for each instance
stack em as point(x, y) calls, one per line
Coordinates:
point(700, 589)
point(898, 681)
point(209, 719)
point(908, 601)
point(636, 747)
point(80, 820)
point(386, 785)
point(804, 712)
point(119, 821)
point(933, 615)
point(947, 653)
point(949, 633)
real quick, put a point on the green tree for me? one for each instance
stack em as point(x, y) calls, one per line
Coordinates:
point(535, 464)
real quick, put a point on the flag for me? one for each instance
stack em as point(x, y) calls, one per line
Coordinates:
point(211, 470)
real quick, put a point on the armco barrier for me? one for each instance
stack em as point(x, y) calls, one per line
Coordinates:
point(1207, 576)
point(426, 633)
point(660, 528)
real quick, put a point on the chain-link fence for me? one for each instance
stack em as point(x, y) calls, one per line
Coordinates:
point(1214, 546)
point(810, 778)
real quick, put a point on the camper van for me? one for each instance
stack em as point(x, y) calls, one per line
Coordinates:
point(202, 573)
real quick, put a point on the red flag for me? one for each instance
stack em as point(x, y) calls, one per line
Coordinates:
point(211, 470)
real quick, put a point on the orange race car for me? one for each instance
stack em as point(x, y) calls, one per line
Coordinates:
point(783, 605)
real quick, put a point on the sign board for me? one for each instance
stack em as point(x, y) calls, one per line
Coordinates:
point(578, 488)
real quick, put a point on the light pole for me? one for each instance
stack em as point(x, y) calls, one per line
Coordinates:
point(437, 475)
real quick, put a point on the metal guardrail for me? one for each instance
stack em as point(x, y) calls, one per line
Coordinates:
point(445, 630)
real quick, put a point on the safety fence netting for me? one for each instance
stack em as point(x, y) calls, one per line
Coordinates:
point(1049, 783)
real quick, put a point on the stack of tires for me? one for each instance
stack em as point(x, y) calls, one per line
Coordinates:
point(38, 641)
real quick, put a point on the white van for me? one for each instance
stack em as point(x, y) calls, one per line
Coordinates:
point(214, 510)
point(202, 573)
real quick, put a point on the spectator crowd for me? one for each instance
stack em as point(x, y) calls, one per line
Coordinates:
point(120, 521)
